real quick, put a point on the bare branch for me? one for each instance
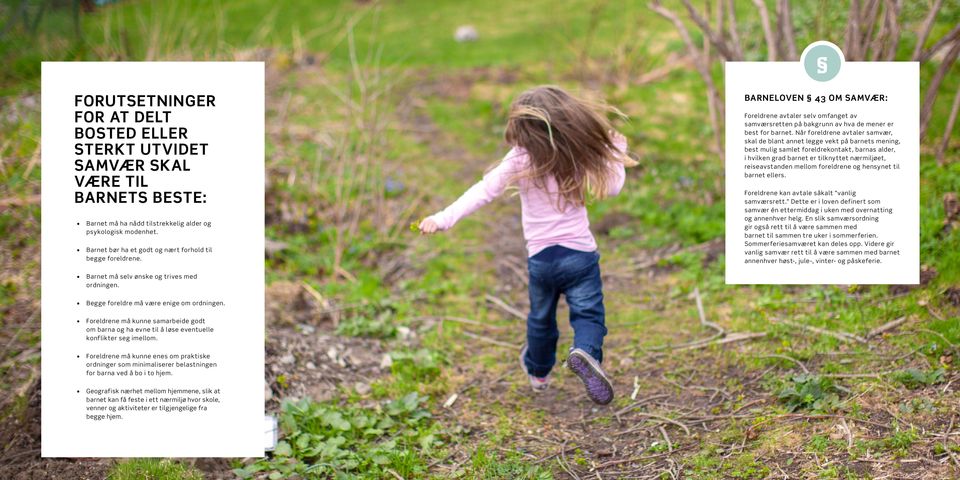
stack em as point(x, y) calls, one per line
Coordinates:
point(786, 29)
point(506, 307)
point(715, 39)
point(934, 85)
point(877, 43)
point(491, 341)
point(732, 29)
point(661, 72)
point(951, 121)
point(707, 51)
point(886, 327)
point(843, 336)
point(853, 31)
point(713, 95)
point(868, 20)
point(767, 31)
point(894, 7)
point(719, 20)
point(777, 31)
point(730, 338)
point(943, 42)
point(925, 29)
point(703, 315)
point(685, 428)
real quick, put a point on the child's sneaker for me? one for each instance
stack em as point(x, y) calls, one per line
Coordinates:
point(539, 384)
point(596, 382)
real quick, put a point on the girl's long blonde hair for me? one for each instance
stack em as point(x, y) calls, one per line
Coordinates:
point(566, 138)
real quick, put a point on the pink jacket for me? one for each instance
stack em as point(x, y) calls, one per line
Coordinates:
point(543, 224)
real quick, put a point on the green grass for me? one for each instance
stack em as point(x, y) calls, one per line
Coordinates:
point(897, 444)
point(418, 369)
point(152, 469)
point(412, 33)
point(490, 466)
point(708, 465)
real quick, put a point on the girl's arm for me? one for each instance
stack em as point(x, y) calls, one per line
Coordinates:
point(480, 194)
point(618, 172)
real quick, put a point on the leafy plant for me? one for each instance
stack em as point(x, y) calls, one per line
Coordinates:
point(900, 441)
point(658, 447)
point(323, 441)
point(918, 405)
point(380, 326)
point(915, 378)
point(809, 392)
point(820, 444)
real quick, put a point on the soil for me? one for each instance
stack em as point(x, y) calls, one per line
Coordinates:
point(20, 459)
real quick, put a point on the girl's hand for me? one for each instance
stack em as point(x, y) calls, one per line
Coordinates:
point(617, 137)
point(428, 226)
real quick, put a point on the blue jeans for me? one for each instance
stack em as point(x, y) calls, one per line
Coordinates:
point(554, 271)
